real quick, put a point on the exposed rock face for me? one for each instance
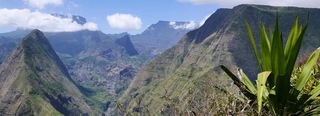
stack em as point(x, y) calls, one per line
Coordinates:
point(34, 81)
point(181, 77)
point(128, 46)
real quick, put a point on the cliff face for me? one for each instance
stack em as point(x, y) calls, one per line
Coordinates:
point(34, 81)
point(190, 71)
point(125, 42)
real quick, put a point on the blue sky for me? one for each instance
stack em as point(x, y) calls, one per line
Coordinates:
point(138, 14)
point(149, 11)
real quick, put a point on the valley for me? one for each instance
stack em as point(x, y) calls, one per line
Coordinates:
point(170, 68)
point(102, 64)
point(164, 84)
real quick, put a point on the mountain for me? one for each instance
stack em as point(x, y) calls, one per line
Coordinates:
point(34, 81)
point(9, 40)
point(187, 79)
point(6, 47)
point(102, 64)
point(128, 46)
point(153, 41)
point(159, 37)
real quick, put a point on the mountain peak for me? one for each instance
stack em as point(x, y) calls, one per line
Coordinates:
point(127, 44)
point(34, 35)
point(35, 46)
point(158, 37)
point(36, 31)
point(33, 76)
point(35, 38)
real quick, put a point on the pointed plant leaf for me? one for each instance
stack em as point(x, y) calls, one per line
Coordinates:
point(277, 52)
point(278, 65)
point(295, 48)
point(292, 38)
point(254, 47)
point(314, 93)
point(261, 85)
point(306, 72)
point(243, 88)
point(265, 49)
point(271, 34)
point(247, 82)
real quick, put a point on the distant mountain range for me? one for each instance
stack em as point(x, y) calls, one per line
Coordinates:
point(186, 78)
point(159, 37)
point(170, 68)
point(103, 64)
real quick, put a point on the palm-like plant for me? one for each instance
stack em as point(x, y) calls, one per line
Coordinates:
point(273, 90)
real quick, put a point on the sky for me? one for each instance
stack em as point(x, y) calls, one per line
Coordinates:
point(116, 16)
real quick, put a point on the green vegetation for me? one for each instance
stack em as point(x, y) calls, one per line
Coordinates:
point(281, 88)
point(40, 107)
point(97, 97)
point(94, 61)
point(38, 83)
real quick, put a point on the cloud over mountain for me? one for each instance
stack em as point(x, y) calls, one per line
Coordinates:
point(26, 19)
point(204, 19)
point(124, 21)
point(231, 3)
point(42, 3)
point(187, 26)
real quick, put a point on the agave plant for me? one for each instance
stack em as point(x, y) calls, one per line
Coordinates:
point(272, 89)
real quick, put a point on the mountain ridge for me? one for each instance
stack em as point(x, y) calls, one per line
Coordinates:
point(38, 81)
point(163, 86)
point(102, 68)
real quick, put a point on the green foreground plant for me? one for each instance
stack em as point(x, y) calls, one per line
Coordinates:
point(280, 87)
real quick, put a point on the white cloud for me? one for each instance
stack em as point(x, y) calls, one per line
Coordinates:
point(204, 20)
point(42, 3)
point(26, 19)
point(124, 21)
point(231, 3)
point(188, 26)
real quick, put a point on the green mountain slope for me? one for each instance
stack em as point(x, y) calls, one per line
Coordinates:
point(181, 79)
point(35, 82)
point(94, 60)
point(103, 64)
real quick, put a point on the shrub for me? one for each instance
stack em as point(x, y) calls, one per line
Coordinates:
point(280, 87)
